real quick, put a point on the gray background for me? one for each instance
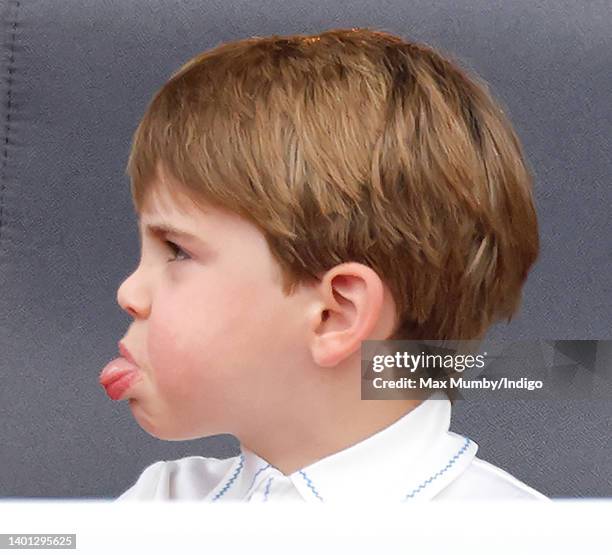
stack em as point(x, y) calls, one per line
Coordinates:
point(76, 77)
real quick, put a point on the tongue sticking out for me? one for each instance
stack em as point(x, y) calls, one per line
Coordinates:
point(117, 376)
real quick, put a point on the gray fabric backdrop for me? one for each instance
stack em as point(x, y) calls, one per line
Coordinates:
point(75, 80)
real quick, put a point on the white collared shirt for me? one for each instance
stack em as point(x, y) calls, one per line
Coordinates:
point(415, 457)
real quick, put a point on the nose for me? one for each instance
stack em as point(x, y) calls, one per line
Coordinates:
point(132, 297)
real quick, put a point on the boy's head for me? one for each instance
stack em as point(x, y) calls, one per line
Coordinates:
point(367, 188)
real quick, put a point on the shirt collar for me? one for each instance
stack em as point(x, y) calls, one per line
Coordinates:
point(415, 457)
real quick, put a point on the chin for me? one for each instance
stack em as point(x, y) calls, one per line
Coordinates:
point(161, 432)
point(144, 420)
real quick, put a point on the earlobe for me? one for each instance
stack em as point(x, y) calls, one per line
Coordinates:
point(352, 298)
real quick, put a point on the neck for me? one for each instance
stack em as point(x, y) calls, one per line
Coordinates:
point(305, 436)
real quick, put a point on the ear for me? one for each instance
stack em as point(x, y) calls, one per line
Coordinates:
point(353, 301)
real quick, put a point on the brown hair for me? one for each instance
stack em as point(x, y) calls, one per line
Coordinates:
point(355, 145)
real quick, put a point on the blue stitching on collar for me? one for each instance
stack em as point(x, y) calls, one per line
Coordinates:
point(308, 481)
point(440, 472)
point(231, 480)
point(268, 488)
point(253, 482)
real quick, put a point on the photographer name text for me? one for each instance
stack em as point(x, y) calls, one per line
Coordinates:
point(459, 383)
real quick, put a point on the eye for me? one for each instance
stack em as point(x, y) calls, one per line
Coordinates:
point(177, 250)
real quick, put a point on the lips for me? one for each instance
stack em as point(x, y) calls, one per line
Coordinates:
point(119, 374)
point(123, 351)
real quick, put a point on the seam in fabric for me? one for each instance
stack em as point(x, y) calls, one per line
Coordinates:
point(440, 472)
point(254, 478)
point(7, 123)
point(309, 483)
point(231, 480)
point(268, 488)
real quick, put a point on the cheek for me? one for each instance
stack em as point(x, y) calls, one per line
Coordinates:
point(200, 337)
point(213, 337)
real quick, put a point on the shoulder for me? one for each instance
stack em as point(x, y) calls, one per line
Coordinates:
point(483, 480)
point(189, 478)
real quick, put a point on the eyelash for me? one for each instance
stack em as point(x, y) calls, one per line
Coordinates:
point(174, 247)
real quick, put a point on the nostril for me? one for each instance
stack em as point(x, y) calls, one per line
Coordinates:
point(131, 311)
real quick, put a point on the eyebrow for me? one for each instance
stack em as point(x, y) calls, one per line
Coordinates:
point(162, 228)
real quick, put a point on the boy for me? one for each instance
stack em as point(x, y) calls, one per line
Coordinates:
point(297, 196)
